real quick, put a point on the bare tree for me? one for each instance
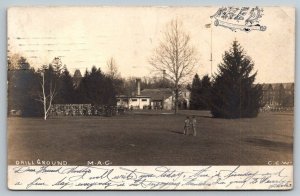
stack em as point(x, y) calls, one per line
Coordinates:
point(112, 68)
point(48, 88)
point(13, 61)
point(175, 56)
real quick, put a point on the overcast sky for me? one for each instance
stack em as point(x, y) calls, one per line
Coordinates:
point(86, 36)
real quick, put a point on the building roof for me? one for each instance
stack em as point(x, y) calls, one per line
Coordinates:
point(157, 94)
point(135, 96)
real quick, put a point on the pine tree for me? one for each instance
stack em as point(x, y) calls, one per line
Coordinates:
point(233, 93)
point(66, 92)
point(96, 88)
point(200, 93)
point(23, 85)
point(195, 99)
point(205, 95)
point(280, 95)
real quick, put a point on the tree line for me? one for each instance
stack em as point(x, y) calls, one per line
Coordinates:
point(230, 93)
point(29, 89)
point(33, 91)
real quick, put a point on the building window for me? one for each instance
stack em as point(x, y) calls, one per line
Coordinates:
point(133, 99)
point(144, 99)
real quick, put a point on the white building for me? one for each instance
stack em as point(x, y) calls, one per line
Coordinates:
point(136, 102)
point(159, 98)
point(184, 99)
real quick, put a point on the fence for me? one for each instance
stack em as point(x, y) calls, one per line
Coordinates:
point(268, 108)
point(83, 110)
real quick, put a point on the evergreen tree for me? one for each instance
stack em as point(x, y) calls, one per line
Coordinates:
point(200, 93)
point(80, 91)
point(96, 88)
point(195, 99)
point(77, 77)
point(205, 93)
point(233, 93)
point(66, 92)
point(22, 89)
point(23, 64)
point(51, 78)
point(280, 95)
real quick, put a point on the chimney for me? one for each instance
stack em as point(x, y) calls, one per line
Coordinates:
point(164, 74)
point(138, 86)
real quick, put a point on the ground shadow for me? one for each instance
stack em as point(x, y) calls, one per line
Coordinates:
point(204, 116)
point(269, 143)
point(177, 132)
point(197, 116)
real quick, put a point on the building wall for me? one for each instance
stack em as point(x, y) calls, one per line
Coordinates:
point(122, 102)
point(156, 104)
point(168, 103)
point(184, 99)
point(138, 102)
point(278, 96)
point(135, 102)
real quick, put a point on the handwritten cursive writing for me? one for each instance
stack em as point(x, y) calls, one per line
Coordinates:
point(150, 177)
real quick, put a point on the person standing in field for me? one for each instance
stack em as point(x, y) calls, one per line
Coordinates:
point(193, 124)
point(186, 125)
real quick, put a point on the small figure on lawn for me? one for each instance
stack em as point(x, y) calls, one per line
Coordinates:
point(186, 125)
point(193, 124)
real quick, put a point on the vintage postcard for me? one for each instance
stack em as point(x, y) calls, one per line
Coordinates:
point(150, 98)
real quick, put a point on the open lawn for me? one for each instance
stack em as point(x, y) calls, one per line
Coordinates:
point(153, 139)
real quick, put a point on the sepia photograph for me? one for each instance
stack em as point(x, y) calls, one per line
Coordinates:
point(150, 98)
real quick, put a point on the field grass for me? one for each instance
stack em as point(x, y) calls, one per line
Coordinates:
point(153, 139)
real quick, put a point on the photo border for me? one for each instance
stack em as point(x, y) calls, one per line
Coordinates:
point(3, 94)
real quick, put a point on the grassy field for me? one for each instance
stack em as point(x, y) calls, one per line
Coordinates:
point(153, 139)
